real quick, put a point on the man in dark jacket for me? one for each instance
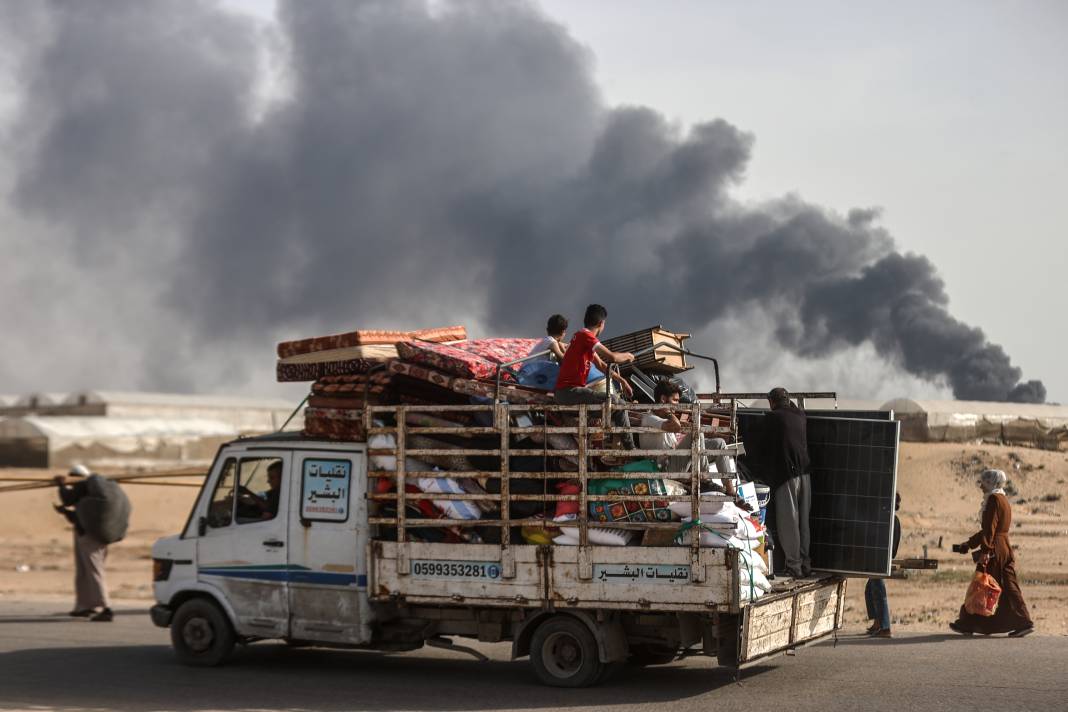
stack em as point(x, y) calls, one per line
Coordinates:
point(90, 554)
point(786, 448)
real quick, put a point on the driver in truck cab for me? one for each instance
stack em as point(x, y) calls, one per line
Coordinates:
point(267, 502)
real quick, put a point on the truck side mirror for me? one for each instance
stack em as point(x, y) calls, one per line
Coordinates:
point(202, 526)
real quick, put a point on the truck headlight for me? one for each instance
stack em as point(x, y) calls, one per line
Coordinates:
point(161, 569)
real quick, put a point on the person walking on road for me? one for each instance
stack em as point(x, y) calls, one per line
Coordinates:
point(95, 511)
point(786, 444)
point(875, 590)
point(996, 557)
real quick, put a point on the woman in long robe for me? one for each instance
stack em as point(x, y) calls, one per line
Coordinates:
point(995, 555)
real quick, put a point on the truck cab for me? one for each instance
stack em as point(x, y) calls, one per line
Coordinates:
point(287, 564)
point(284, 542)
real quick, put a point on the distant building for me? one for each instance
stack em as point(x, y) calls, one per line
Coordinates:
point(60, 441)
point(129, 429)
point(1042, 425)
point(1037, 425)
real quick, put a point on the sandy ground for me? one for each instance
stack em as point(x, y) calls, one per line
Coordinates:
point(940, 502)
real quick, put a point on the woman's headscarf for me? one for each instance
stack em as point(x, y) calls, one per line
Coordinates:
point(993, 482)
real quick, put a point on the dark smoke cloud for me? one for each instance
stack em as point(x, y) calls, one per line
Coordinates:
point(433, 161)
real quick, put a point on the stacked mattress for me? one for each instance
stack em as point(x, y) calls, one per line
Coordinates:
point(436, 366)
point(351, 352)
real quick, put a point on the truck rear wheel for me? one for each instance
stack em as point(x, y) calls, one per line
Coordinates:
point(563, 652)
point(201, 634)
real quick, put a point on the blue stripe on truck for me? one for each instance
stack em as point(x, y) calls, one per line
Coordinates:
point(287, 573)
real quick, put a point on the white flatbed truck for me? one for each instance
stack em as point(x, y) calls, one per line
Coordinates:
point(328, 568)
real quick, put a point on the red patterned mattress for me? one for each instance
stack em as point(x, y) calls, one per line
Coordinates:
point(469, 387)
point(475, 358)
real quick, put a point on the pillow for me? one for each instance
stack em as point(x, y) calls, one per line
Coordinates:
point(453, 508)
point(711, 511)
point(600, 537)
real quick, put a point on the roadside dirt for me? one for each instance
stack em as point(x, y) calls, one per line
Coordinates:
point(940, 502)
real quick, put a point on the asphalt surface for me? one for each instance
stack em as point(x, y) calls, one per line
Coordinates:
point(49, 661)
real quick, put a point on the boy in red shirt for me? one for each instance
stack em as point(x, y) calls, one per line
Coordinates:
point(584, 349)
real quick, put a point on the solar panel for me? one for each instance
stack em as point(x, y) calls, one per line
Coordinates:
point(854, 478)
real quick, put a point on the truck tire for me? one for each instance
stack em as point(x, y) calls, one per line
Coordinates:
point(643, 654)
point(201, 633)
point(563, 652)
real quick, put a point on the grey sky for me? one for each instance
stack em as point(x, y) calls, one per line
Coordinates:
point(950, 120)
point(951, 116)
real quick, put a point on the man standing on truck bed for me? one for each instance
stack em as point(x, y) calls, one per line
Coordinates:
point(786, 447)
point(585, 348)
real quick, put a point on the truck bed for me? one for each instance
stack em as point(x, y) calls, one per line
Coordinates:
point(621, 578)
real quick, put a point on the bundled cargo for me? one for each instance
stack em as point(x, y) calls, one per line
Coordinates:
point(476, 436)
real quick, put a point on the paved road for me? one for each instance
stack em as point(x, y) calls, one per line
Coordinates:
point(51, 662)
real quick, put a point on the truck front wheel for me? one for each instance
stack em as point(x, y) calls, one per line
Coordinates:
point(201, 634)
point(563, 652)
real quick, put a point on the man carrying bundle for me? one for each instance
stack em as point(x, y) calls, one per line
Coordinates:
point(100, 513)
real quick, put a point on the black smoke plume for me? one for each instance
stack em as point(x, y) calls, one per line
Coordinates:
point(424, 161)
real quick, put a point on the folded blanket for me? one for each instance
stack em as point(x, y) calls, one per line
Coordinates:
point(509, 394)
point(422, 373)
point(340, 389)
point(379, 352)
point(380, 376)
point(342, 402)
point(334, 424)
point(297, 372)
point(368, 337)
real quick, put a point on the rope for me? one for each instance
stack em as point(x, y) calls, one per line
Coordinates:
point(294, 413)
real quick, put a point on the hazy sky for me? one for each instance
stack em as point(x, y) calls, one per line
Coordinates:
point(950, 116)
point(146, 214)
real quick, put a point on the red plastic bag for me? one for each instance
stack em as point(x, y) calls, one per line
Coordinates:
point(983, 594)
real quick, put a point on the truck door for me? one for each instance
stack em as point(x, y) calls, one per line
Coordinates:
point(854, 482)
point(327, 556)
point(241, 547)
